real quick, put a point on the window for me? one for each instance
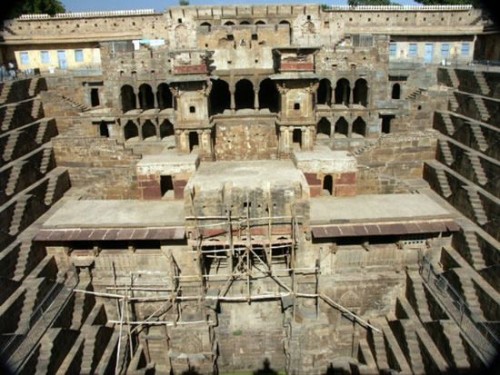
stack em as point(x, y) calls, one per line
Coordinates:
point(393, 49)
point(192, 109)
point(78, 55)
point(25, 59)
point(296, 106)
point(412, 50)
point(445, 50)
point(45, 57)
point(465, 49)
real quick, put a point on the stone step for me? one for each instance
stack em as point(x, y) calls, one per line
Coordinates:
point(446, 151)
point(453, 334)
point(477, 205)
point(32, 87)
point(35, 110)
point(51, 189)
point(482, 83)
point(477, 167)
point(453, 78)
point(483, 111)
point(474, 250)
point(8, 152)
point(413, 347)
point(42, 127)
point(45, 353)
point(444, 184)
point(448, 123)
point(471, 298)
point(30, 299)
point(7, 119)
point(5, 93)
point(15, 172)
point(417, 292)
point(18, 214)
point(22, 261)
point(452, 103)
point(479, 136)
point(45, 161)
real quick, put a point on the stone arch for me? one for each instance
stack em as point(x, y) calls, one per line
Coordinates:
point(206, 25)
point(286, 22)
point(396, 91)
point(360, 92)
point(146, 97)
point(229, 23)
point(130, 131)
point(148, 130)
point(269, 96)
point(127, 96)
point(181, 33)
point(323, 128)
point(244, 94)
point(245, 22)
point(260, 22)
point(350, 300)
point(341, 128)
point(324, 95)
point(342, 91)
point(359, 127)
point(166, 129)
point(220, 97)
point(164, 96)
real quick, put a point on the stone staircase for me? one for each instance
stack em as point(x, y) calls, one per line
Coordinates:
point(444, 185)
point(413, 347)
point(18, 214)
point(33, 86)
point(42, 128)
point(477, 205)
point(35, 110)
point(51, 188)
point(475, 161)
point(33, 289)
point(4, 95)
point(470, 296)
point(415, 294)
point(453, 333)
point(7, 119)
point(22, 261)
point(399, 359)
point(8, 151)
point(15, 172)
point(448, 123)
point(377, 344)
point(45, 161)
point(475, 252)
point(453, 78)
point(415, 94)
point(484, 115)
point(45, 353)
point(87, 365)
point(444, 147)
point(452, 102)
point(482, 83)
point(72, 103)
point(478, 135)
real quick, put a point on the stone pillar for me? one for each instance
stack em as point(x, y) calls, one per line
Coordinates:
point(181, 140)
point(206, 142)
point(306, 137)
point(155, 99)
point(233, 101)
point(256, 99)
point(349, 129)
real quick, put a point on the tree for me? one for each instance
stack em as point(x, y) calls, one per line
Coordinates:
point(449, 2)
point(17, 8)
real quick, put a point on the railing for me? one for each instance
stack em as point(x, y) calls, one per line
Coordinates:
point(111, 13)
point(480, 335)
point(431, 8)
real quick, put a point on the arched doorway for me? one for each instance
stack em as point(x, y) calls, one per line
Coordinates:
point(323, 129)
point(287, 23)
point(220, 97)
point(269, 96)
point(244, 95)
point(166, 129)
point(396, 91)
point(297, 138)
point(359, 127)
point(127, 96)
point(146, 97)
point(130, 131)
point(260, 22)
point(324, 95)
point(342, 92)
point(164, 96)
point(194, 141)
point(94, 97)
point(148, 130)
point(229, 23)
point(207, 26)
point(103, 129)
point(341, 128)
point(360, 92)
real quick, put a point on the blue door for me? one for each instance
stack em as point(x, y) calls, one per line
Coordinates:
point(429, 53)
point(61, 59)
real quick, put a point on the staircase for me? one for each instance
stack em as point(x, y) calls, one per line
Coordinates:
point(22, 261)
point(51, 189)
point(15, 172)
point(471, 298)
point(87, 364)
point(453, 78)
point(7, 119)
point(379, 349)
point(444, 185)
point(415, 294)
point(35, 110)
point(479, 136)
point(484, 115)
point(8, 152)
point(476, 204)
point(4, 95)
point(45, 161)
point(415, 94)
point(46, 347)
point(18, 215)
point(30, 301)
point(476, 255)
point(452, 102)
point(33, 86)
point(453, 333)
point(448, 123)
point(446, 152)
point(477, 168)
point(481, 81)
point(40, 134)
point(413, 347)
point(74, 104)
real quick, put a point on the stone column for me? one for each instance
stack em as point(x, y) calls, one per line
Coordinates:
point(233, 101)
point(155, 99)
point(349, 129)
point(256, 99)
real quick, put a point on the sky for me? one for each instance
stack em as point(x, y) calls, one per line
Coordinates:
point(160, 5)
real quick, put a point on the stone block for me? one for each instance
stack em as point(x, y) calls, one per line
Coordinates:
point(345, 190)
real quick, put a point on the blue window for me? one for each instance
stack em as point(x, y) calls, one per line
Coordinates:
point(393, 49)
point(445, 50)
point(25, 59)
point(78, 55)
point(465, 50)
point(412, 50)
point(45, 57)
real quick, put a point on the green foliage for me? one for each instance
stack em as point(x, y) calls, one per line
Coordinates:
point(34, 7)
point(448, 2)
point(183, 3)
